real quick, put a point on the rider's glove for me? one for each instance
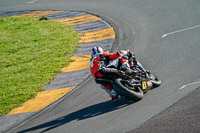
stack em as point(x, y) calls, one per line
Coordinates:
point(132, 60)
point(131, 55)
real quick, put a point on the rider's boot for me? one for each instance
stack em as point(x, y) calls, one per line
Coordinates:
point(113, 95)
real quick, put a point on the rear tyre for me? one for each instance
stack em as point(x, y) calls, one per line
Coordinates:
point(123, 89)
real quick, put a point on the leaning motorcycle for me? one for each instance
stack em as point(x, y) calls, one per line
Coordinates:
point(131, 87)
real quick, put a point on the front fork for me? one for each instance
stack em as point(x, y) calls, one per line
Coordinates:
point(140, 65)
point(147, 72)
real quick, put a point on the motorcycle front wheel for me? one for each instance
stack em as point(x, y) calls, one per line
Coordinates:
point(124, 89)
point(154, 79)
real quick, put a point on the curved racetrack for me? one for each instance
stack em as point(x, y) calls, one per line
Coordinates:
point(165, 35)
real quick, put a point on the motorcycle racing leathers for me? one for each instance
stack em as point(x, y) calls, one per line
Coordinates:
point(101, 61)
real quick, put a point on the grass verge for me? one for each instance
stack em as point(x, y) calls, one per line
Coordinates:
point(32, 53)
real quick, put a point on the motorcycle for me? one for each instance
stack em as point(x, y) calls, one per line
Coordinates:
point(131, 87)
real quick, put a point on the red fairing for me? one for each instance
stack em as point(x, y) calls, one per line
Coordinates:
point(114, 56)
point(99, 75)
point(94, 67)
point(109, 87)
point(122, 53)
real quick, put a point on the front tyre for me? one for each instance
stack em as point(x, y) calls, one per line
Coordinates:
point(123, 89)
point(154, 79)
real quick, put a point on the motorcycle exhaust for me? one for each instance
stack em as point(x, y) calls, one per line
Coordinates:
point(103, 81)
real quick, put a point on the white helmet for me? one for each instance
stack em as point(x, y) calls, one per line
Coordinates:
point(96, 51)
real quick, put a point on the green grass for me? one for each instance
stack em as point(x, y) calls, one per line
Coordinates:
point(32, 53)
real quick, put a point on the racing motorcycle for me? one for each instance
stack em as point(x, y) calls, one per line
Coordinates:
point(130, 86)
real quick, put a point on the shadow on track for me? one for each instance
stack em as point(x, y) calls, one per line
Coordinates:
point(85, 113)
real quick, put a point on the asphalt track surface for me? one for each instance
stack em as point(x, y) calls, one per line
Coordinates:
point(165, 37)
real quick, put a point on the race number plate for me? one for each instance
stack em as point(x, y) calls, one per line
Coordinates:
point(144, 85)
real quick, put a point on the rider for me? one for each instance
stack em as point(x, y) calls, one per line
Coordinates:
point(99, 60)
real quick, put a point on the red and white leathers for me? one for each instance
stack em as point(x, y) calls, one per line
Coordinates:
point(96, 63)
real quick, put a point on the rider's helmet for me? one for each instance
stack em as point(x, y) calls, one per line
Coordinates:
point(96, 51)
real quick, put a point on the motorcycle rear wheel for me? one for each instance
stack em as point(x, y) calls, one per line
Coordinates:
point(123, 89)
